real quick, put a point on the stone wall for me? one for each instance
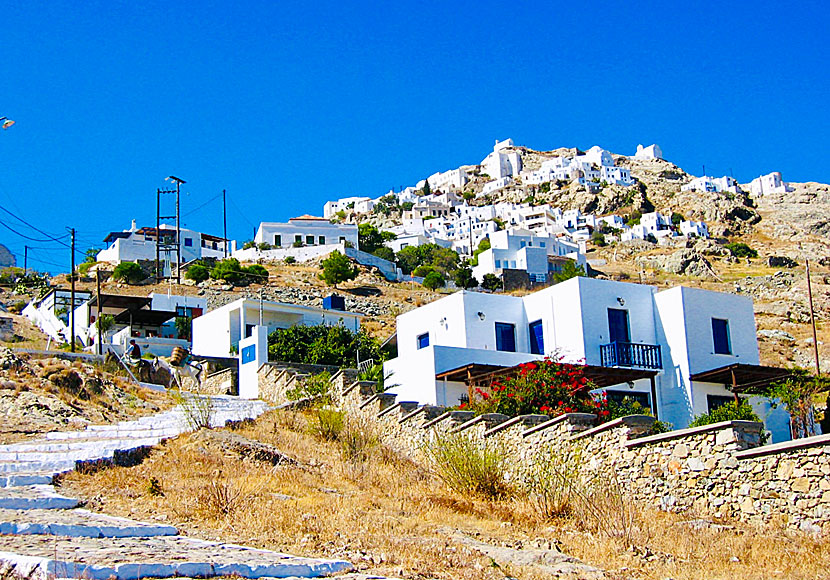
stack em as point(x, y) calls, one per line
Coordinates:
point(224, 382)
point(717, 471)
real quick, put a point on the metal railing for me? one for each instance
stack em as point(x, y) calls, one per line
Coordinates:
point(630, 354)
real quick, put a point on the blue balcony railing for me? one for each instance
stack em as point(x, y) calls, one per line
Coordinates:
point(630, 354)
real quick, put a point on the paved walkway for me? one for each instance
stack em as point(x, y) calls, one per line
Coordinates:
point(46, 536)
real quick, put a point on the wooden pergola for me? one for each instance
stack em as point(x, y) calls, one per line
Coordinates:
point(743, 379)
point(483, 375)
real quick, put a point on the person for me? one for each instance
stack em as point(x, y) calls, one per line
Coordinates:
point(134, 351)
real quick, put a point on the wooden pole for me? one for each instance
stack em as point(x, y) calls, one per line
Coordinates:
point(812, 317)
point(98, 317)
point(72, 293)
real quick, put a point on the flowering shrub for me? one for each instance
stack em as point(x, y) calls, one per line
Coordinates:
point(547, 387)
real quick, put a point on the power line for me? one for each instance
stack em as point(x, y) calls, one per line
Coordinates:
point(20, 219)
point(5, 225)
point(215, 197)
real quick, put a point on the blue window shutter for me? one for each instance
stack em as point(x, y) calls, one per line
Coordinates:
point(537, 341)
point(720, 336)
point(505, 337)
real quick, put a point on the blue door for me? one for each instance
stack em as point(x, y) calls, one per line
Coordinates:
point(618, 325)
point(505, 337)
point(537, 340)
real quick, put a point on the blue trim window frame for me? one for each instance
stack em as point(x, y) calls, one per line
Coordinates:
point(720, 336)
point(505, 337)
point(537, 337)
point(423, 340)
point(188, 242)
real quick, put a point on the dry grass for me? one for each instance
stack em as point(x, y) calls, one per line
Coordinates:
point(388, 515)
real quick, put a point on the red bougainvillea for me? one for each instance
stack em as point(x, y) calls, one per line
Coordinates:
point(545, 387)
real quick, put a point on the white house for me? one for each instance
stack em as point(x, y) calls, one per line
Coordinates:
point(140, 244)
point(305, 230)
point(675, 350)
point(693, 229)
point(51, 313)
point(501, 162)
point(650, 152)
point(496, 184)
point(518, 249)
point(218, 332)
point(712, 184)
point(343, 204)
point(769, 183)
point(452, 179)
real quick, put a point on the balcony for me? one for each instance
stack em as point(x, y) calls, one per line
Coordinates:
point(631, 355)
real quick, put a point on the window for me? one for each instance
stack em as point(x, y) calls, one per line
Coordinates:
point(321, 240)
point(537, 342)
point(188, 242)
point(505, 337)
point(618, 325)
point(715, 401)
point(342, 239)
point(720, 336)
point(423, 340)
point(278, 240)
point(309, 240)
point(541, 244)
point(498, 263)
point(298, 239)
point(635, 396)
point(249, 330)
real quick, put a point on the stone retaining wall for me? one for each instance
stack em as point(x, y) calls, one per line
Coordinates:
point(714, 471)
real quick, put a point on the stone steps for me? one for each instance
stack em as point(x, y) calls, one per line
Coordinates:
point(41, 497)
point(48, 557)
point(43, 536)
point(77, 523)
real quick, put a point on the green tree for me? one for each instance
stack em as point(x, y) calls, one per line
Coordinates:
point(184, 327)
point(337, 268)
point(370, 239)
point(570, 269)
point(129, 272)
point(248, 245)
point(407, 206)
point(256, 274)
point(426, 190)
point(197, 272)
point(491, 282)
point(385, 252)
point(468, 195)
point(598, 238)
point(676, 218)
point(483, 246)
point(408, 259)
point(264, 246)
point(463, 278)
point(799, 393)
point(434, 280)
point(327, 345)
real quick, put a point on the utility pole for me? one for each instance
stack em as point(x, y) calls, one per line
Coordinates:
point(72, 293)
point(225, 222)
point(98, 317)
point(166, 246)
point(25, 260)
point(812, 316)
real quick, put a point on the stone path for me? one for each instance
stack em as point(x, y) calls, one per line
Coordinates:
point(45, 536)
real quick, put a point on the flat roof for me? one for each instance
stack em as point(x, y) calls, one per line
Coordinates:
point(742, 377)
point(271, 305)
point(121, 301)
point(148, 317)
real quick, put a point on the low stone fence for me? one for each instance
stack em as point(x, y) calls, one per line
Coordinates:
point(716, 471)
point(224, 382)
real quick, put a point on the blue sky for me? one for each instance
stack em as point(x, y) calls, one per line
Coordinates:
point(287, 105)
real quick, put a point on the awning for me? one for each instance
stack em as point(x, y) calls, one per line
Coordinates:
point(145, 317)
point(122, 301)
point(482, 374)
point(743, 378)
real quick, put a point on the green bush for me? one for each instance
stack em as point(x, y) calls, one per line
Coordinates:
point(731, 411)
point(434, 280)
point(197, 273)
point(463, 278)
point(325, 345)
point(231, 271)
point(328, 423)
point(290, 260)
point(491, 282)
point(129, 272)
point(741, 250)
point(470, 466)
point(256, 273)
point(569, 270)
point(314, 386)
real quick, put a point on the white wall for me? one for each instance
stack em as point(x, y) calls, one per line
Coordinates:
point(331, 233)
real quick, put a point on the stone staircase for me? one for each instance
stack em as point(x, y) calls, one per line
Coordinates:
point(44, 535)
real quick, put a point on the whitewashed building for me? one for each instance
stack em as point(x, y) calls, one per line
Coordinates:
point(346, 204)
point(693, 229)
point(140, 244)
point(712, 184)
point(218, 332)
point(305, 230)
point(675, 350)
point(650, 152)
point(769, 183)
point(518, 249)
point(502, 162)
point(496, 184)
